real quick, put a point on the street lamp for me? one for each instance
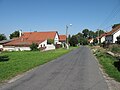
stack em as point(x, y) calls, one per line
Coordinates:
point(67, 44)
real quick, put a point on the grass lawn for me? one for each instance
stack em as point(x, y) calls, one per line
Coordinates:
point(14, 63)
point(110, 64)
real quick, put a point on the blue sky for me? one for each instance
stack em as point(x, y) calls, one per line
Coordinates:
point(46, 15)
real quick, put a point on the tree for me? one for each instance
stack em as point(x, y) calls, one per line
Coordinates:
point(95, 41)
point(83, 41)
point(50, 41)
point(73, 41)
point(91, 34)
point(14, 34)
point(2, 37)
point(69, 38)
point(99, 32)
point(85, 33)
point(34, 47)
point(78, 36)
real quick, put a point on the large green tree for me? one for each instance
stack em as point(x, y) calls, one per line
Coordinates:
point(99, 32)
point(73, 40)
point(2, 37)
point(78, 36)
point(83, 41)
point(69, 38)
point(85, 33)
point(14, 34)
point(91, 34)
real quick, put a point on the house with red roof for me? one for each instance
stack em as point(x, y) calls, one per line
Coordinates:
point(102, 37)
point(62, 38)
point(111, 37)
point(27, 38)
point(90, 40)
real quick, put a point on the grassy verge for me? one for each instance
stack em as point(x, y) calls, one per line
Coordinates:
point(14, 63)
point(115, 48)
point(110, 64)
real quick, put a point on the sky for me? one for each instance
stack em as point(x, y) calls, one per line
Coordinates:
point(54, 15)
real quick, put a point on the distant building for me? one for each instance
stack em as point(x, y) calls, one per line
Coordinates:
point(90, 40)
point(62, 38)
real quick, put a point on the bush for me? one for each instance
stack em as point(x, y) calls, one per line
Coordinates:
point(115, 49)
point(73, 41)
point(34, 47)
point(95, 41)
point(50, 41)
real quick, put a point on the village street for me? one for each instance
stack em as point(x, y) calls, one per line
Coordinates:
point(77, 70)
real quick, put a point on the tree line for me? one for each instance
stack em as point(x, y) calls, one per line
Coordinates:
point(82, 37)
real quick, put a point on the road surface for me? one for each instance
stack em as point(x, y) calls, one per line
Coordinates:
point(77, 70)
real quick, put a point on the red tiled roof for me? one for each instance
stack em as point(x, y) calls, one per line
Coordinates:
point(102, 35)
point(28, 38)
point(113, 30)
point(90, 39)
point(62, 37)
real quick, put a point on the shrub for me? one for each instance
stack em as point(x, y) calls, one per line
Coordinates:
point(50, 41)
point(34, 47)
point(73, 41)
point(115, 49)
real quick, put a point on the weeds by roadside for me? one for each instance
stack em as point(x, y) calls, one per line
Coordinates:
point(110, 64)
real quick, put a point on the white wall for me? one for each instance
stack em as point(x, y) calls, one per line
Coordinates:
point(1, 46)
point(102, 39)
point(115, 36)
point(91, 41)
point(44, 43)
point(9, 48)
point(50, 47)
point(56, 39)
point(22, 48)
point(12, 48)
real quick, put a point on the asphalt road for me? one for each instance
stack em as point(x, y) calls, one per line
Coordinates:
point(77, 70)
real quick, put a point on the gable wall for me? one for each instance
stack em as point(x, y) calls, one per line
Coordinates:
point(115, 36)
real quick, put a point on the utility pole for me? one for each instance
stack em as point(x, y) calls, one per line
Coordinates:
point(67, 34)
point(98, 35)
point(67, 43)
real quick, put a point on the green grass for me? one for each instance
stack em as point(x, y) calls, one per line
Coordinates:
point(19, 62)
point(108, 63)
point(115, 49)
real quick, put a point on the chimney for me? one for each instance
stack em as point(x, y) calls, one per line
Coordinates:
point(20, 33)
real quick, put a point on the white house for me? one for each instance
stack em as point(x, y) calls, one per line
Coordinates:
point(90, 40)
point(102, 37)
point(111, 36)
point(4, 42)
point(27, 38)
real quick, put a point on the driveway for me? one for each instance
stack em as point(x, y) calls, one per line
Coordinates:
point(77, 70)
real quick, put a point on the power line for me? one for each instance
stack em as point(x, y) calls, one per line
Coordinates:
point(112, 15)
